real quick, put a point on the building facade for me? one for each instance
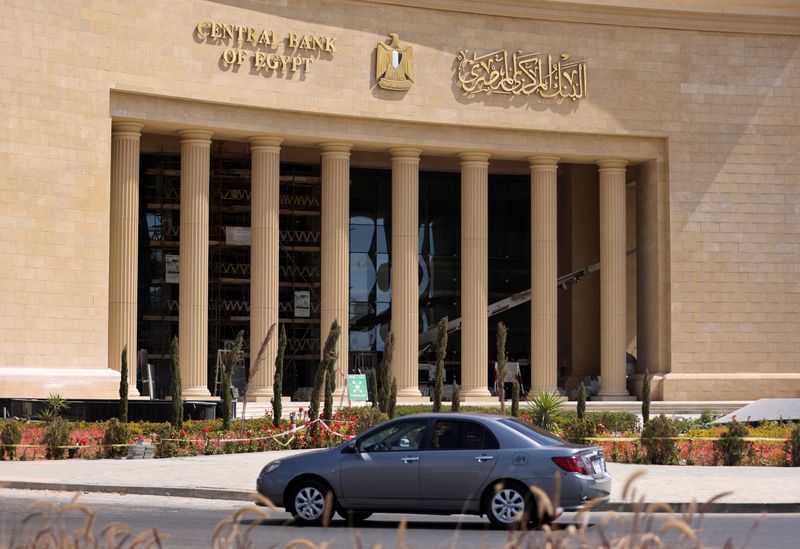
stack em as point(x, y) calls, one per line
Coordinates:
point(196, 168)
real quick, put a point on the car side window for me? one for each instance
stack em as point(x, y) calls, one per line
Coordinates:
point(398, 437)
point(462, 435)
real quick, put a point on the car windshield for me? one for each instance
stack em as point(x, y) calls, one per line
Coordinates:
point(531, 431)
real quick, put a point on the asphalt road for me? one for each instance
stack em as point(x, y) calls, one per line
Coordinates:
point(184, 522)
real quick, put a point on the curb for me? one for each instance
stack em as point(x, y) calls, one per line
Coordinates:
point(248, 496)
point(201, 493)
point(713, 508)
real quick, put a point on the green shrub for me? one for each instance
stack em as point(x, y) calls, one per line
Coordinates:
point(117, 432)
point(164, 447)
point(795, 443)
point(617, 422)
point(277, 382)
point(56, 434)
point(580, 407)
point(646, 398)
point(515, 398)
point(731, 445)
point(10, 437)
point(369, 418)
point(545, 410)
point(578, 430)
point(455, 400)
point(441, 352)
point(657, 439)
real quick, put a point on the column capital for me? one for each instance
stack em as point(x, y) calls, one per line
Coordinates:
point(126, 129)
point(270, 143)
point(612, 164)
point(543, 161)
point(336, 148)
point(196, 136)
point(474, 157)
point(407, 153)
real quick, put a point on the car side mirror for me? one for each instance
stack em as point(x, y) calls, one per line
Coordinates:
point(350, 448)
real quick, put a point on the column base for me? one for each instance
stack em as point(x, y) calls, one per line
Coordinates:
point(487, 398)
point(197, 393)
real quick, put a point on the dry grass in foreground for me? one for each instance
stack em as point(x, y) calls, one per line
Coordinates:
point(652, 525)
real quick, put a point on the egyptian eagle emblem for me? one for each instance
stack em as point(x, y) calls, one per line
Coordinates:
point(394, 66)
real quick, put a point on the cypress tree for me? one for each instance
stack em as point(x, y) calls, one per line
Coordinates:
point(175, 391)
point(515, 398)
point(384, 373)
point(330, 387)
point(123, 386)
point(646, 398)
point(456, 400)
point(441, 351)
point(234, 357)
point(373, 387)
point(277, 384)
point(501, 365)
point(581, 401)
point(328, 354)
point(392, 399)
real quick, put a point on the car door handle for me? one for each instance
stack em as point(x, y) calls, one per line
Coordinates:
point(409, 459)
point(484, 458)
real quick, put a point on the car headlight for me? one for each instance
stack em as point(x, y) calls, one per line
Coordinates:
point(271, 466)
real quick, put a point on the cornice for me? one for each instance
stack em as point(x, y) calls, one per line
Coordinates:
point(778, 17)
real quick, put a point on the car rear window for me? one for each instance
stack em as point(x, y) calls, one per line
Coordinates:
point(531, 431)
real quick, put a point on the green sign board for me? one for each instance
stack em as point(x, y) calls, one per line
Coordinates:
point(357, 387)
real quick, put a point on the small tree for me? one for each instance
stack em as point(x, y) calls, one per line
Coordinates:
point(646, 398)
point(658, 439)
point(441, 351)
point(794, 441)
point(373, 388)
point(328, 354)
point(277, 383)
point(175, 391)
point(392, 399)
point(123, 386)
point(731, 445)
point(10, 437)
point(500, 374)
point(384, 373)
point(116, 439)
point(330, 387)
point(545, 410)
point(581, 401)
point(233, 357)
point(455, 403)
point(515, 398)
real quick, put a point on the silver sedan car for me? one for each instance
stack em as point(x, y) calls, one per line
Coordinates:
point(440, 464)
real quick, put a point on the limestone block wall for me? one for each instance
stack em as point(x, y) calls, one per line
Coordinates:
point(722, 94)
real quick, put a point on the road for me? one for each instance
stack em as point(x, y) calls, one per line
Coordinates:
point(185, 522)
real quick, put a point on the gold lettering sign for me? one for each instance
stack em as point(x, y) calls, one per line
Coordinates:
point(522, 74)
point(266, 53)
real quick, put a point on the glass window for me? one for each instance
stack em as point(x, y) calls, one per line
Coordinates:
point(362, 276)
point(462, 435)
point(361, 235)
point(398, 437)
point(540, 436)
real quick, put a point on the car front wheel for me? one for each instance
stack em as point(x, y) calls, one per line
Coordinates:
point(509, 505)
point(310, 502)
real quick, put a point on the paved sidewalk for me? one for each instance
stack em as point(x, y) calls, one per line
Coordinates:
point(233, 476)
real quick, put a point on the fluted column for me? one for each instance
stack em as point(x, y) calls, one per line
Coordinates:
point(405, 269)
point(612, 279)
point(124, 247)
point(265, 190)
point(193, 293)
point(544, 260)
point(335, 253)
point(474, 275)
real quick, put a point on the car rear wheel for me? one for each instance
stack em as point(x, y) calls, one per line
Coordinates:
point(310, 502)
point(509, 505)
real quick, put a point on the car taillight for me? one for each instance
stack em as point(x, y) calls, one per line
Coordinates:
point(571, 464)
